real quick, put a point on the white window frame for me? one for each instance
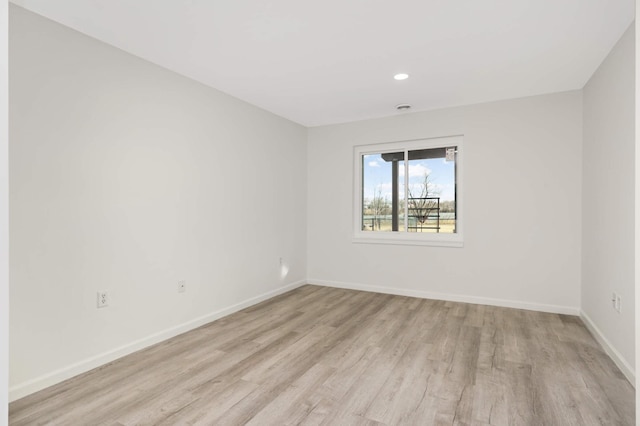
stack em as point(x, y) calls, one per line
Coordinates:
point(403, 237)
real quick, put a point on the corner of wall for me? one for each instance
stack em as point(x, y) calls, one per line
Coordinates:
point(4, 216)
point(637, 203)
point(607, 246)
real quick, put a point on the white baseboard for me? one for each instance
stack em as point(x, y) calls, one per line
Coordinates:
point(613, 353)
point(62, 374)
point(554, 309)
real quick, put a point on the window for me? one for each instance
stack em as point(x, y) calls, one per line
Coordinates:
point(409, 192)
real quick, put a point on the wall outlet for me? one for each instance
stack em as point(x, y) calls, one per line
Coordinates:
point(103, 299)
point(182, 286)
point(616, 301)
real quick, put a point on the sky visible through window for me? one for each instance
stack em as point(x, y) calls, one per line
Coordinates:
point(377, 177)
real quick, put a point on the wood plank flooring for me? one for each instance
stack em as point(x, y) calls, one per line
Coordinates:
point(325, 356)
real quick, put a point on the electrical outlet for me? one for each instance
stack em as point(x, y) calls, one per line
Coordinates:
point(103, 299)
point(182, 286)
point(616, 301)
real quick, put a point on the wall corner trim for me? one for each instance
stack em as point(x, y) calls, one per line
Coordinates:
point(26, 388)
point(613, 353)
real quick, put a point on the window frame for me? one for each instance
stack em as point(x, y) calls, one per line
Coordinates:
point(404, 237)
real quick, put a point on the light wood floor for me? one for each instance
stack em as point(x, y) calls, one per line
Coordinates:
point(319, 355)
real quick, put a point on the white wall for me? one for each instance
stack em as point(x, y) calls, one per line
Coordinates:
point(637, 207)
point(127, 177)
point(4, 218)
point(608, 199)
point(521, 207)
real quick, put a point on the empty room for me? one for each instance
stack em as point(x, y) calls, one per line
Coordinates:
point(329, 213)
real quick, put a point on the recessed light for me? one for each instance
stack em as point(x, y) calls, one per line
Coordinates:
point(401, 76)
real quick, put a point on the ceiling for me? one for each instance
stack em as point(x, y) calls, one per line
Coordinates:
point(332, 61)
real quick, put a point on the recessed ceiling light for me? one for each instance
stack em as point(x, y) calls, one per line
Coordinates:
point(401, 76)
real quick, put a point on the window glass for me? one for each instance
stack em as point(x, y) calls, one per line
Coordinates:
point(431, 191)
point(409, 191)
point(382, 201)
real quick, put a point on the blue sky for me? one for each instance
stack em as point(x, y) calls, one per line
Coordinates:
point(377, 176)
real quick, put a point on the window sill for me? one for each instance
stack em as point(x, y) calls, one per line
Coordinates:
point(410, 240)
